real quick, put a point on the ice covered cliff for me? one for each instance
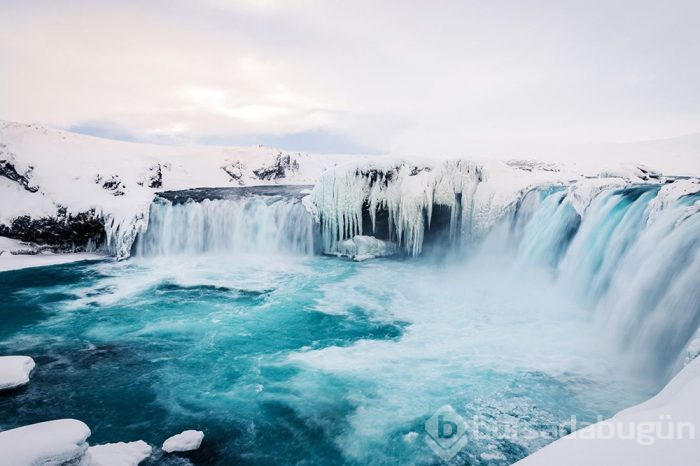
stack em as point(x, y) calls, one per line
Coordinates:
point(396, 200)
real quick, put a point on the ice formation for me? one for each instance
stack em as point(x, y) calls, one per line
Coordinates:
point(15, 371)
point(117, 454)
point(351, 199)
point(57, 442)
point(361, 248)
point(185, 441)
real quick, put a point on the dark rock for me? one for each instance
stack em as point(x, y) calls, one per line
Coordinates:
point(155, 177)
point(235, 171)
point(416, 170)
point(375, 175)
point(278, 169)
point(200, 194)
point(113, 183)
point(8, 170)
point(62, 233)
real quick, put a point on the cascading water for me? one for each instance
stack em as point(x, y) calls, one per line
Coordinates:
point(631, 254)
point(633, 259)
point(242, 225)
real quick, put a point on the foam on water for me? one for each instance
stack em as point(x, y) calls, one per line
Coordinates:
point(305, 359)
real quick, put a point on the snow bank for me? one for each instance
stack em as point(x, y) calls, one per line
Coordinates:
point(117, 454)
point(46, 443)
point(15, 371)
point(677, 400)
point(184, 441)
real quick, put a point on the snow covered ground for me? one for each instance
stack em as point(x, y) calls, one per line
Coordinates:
point(661, 430)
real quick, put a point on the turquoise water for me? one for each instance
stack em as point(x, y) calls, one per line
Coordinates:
point(304, 359)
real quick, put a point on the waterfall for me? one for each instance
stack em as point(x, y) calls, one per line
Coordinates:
point(241, 225)
point(629, 253)
point(633, 256)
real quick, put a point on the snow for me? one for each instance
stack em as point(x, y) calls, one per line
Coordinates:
point(49, 443)
point(64, 441)
point(118, 454)
point(693, 349)
point(669, 194)
point(361, 248)
point(582, 192)
point(677, 400)
point(184, 441)
point(15, 371)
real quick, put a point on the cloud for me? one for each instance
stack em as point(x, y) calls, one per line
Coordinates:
point(418, 77)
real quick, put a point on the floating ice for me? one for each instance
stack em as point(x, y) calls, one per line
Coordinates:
point(15, 371)
point(57, 442)
point(185, 441)
point(118, 454)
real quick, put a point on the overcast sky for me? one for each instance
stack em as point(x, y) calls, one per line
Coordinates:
point(346, 76)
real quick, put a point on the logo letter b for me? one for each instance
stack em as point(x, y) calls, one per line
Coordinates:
point(441, 428)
